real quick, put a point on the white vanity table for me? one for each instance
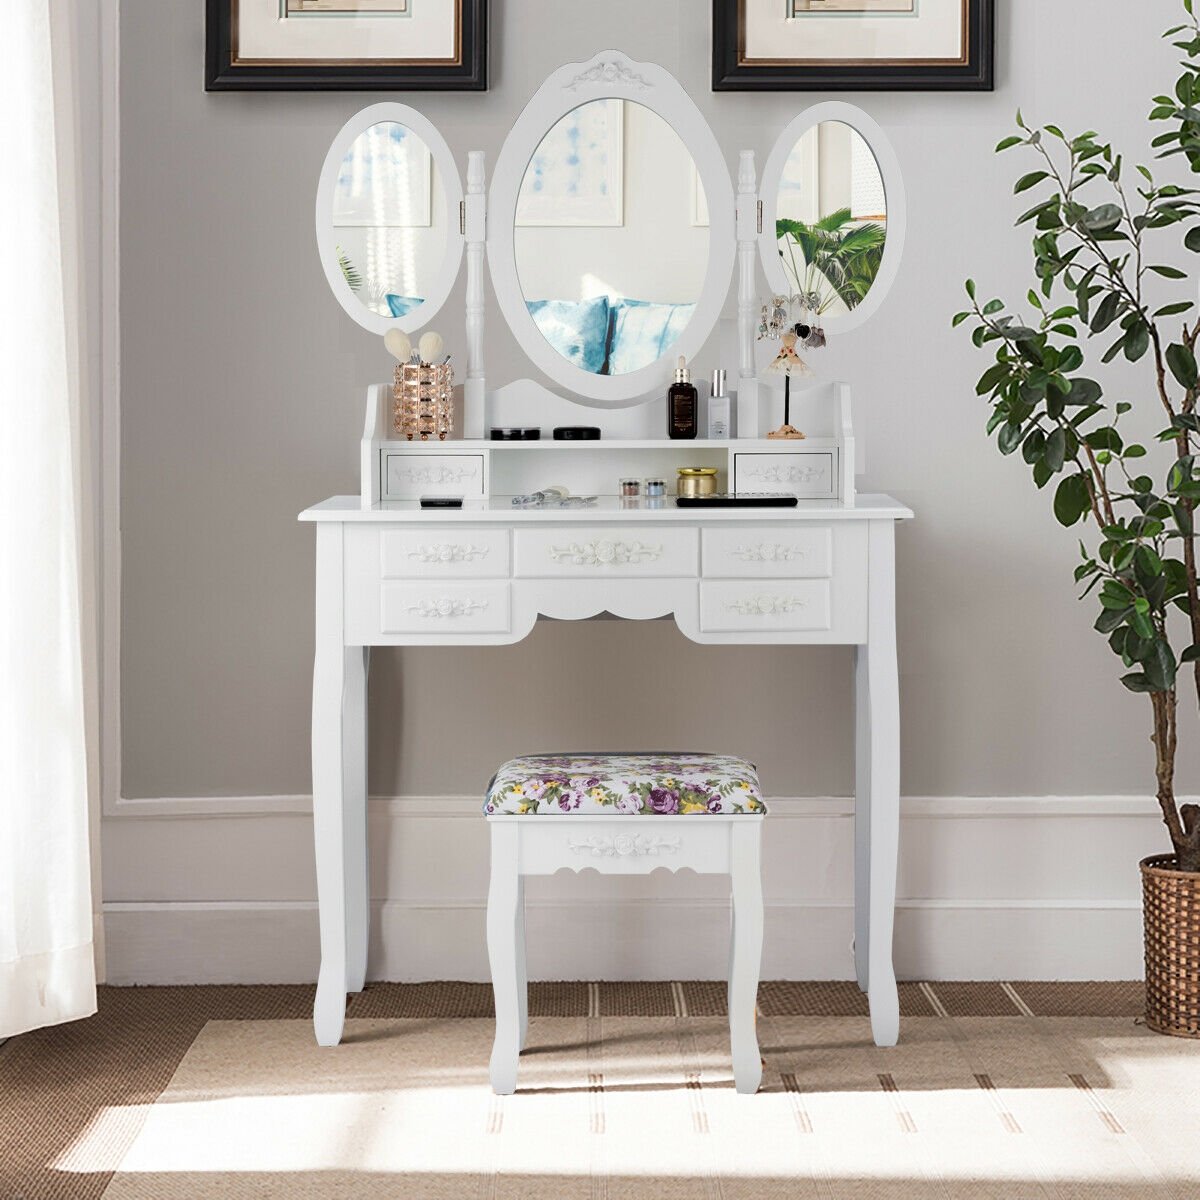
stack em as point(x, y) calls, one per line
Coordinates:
point(389, 573)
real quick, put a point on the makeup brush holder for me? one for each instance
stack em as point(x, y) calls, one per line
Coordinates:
point(422, 401)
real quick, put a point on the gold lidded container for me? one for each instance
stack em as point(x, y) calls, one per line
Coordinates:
point(697, 481)
point(423, 401)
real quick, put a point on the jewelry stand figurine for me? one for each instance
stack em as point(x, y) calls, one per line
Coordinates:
point(776, 323)
point(788, 363)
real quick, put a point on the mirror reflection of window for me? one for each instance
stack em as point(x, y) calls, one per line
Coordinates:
point(389, 219)
point(610, 255)
point(831, 217)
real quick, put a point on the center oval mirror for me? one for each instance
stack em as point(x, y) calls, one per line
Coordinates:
point(611, 237)
point(610, 233)
point(833, 211)
point(388, 218)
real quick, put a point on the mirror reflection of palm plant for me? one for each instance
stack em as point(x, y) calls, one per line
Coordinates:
point(833, 258)
point(349, 270)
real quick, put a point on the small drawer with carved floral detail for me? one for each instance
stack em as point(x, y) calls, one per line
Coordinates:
point(444, 608)
point(808, 473)
point(770, 605)
point(447, 552)
point(409, 476)
point(566, 552)
point(768, 552)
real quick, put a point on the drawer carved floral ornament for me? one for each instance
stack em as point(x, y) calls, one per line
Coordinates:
point(445, 606)
point(605, 553)
point(1104, 230)
point(437, 475)
point(625, 845)
point(447, 552)
point(788, 474)
point(765, 606)
point(766, 552)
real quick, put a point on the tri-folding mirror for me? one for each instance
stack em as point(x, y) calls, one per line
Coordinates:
point(609, 229)
point(388, 218)
point(833, 215)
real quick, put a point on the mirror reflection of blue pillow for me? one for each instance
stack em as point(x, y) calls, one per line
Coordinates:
point(577, 329)
point(643, 331)
point(401, 306)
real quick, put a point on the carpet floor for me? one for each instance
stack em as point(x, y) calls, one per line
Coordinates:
point(996, 1090)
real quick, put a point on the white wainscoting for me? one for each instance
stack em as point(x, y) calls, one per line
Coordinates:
point(210, 890)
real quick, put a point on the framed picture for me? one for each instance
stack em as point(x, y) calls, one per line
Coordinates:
point(577, 173)
point(860, 45)
point(346, 45)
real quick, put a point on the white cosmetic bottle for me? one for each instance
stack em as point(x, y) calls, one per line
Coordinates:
point(718, 407)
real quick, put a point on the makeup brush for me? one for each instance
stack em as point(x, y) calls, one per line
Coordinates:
point(431, 346)
point(399, 344)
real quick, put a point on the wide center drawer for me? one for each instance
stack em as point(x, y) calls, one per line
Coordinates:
point(588, 551)
point(768, 552)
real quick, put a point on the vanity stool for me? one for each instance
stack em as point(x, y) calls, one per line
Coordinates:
point(623, 814)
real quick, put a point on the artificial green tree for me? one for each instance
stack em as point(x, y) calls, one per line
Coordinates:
point(1095, 221)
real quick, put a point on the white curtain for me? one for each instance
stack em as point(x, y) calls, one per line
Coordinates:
point(47, 972)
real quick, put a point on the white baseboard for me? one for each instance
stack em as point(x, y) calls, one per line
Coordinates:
point(201, 891)
point(410, 942)
point(781, 806)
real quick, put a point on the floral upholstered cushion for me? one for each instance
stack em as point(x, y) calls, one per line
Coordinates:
point(625, 785)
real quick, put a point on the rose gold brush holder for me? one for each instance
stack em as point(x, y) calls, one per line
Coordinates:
point(422, 401)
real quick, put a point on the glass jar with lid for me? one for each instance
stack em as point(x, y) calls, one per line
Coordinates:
point(696, 481)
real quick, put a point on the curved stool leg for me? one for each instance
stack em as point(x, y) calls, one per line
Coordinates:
point(502, 932)
point(746, 956)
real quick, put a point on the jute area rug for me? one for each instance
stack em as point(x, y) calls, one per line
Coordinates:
point(616, 1106)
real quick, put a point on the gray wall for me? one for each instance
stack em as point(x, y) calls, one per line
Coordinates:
point(242, 392)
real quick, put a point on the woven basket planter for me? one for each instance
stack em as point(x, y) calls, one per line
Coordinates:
point(1171, 906)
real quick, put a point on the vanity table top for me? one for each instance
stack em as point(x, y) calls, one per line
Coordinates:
point(609, 509)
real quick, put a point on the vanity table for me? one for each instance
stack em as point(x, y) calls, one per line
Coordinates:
point(390, 573)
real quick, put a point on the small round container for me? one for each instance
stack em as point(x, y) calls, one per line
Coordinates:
point(656, 487)
point(515, 433)
point(630, 489)
point(697, 481)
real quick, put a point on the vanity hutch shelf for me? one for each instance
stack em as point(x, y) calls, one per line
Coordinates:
point(821, 467)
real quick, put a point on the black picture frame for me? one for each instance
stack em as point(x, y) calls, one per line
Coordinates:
point(223, 74)
point(730, 74)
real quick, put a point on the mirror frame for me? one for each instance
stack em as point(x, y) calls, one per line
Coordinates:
point(893, 186)
point(447, 272)
point(610, 75)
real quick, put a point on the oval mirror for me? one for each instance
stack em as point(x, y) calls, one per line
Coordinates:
point(388, 228)
point(611, 238)
point(833, 215)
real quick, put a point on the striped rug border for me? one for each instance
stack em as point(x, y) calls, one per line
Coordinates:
point(776, 998)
